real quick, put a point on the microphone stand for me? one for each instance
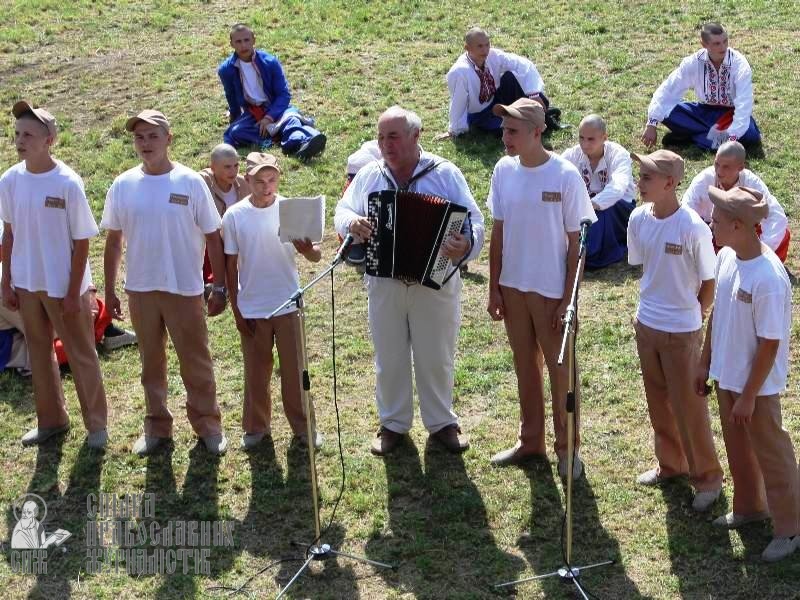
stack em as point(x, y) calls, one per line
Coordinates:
point(317, 550)
point(569, 573)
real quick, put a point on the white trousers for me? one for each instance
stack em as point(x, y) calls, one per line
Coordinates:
point(414, 321)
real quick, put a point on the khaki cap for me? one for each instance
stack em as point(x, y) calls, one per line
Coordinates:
point(23, 107)
point(664, 162)
point(261, 160)
point(148, 116)
point(523, 109)
point(743, 203)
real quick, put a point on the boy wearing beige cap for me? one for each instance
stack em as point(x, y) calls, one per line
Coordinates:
point(47, 223)
point(262, 275)
point(165, 213)
point(673, 245)
point(538, 201)
point(746, 353)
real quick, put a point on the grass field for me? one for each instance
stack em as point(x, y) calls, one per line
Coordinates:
point(452, 525)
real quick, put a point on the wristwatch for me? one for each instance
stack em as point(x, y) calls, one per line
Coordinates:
point(220, 289)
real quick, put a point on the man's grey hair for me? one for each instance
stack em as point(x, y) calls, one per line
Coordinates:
point(732, 149)
point(223, 152)
point(594, 121)
point(413, 122)
point(474, 32)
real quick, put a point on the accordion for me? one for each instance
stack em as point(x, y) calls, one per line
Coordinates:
point(408, 229)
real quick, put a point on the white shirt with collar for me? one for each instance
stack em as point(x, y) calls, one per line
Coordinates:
point(773, 228)
point(465, 86)
point(445, 181)
point(730, 85)
point(612, 179)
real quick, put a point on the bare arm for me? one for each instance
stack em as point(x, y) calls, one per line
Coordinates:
point(308, 249)
point(743, 408)
point(80, 254)
point(10, 300)
point(496, 308)
point(705, 296)
point(112, 256)
point(705, 361)
point(245, 326)
point(572, 272)
point(216, 301)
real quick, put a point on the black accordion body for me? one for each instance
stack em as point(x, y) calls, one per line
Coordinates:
point(408, 229)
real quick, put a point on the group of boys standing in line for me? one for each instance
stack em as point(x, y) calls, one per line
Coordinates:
point(167, 215)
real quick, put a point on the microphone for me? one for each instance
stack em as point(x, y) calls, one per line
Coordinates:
point(585, 224)
point(344, 248)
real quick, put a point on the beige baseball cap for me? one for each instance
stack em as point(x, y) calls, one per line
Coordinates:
point(153, 117)
point(261, 160)
point(23, 107)
point(743, 203)
point(523, 109)
point(664, 162)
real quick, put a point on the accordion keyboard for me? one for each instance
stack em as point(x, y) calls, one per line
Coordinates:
point(442, 263)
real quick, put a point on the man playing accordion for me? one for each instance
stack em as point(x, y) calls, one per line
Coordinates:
point(408, 319)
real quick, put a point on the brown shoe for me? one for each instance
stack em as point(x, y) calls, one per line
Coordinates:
point(385, 441)
point(451, 438)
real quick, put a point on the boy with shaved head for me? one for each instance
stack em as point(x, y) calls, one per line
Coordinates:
point(606, 170)
point(222, 177)
point(746, 353)
point(723, 82)
point(484, 76)
point(47, 223)
point(538, 201)
point(727, 172)
point(258, 101)
point(673, 245)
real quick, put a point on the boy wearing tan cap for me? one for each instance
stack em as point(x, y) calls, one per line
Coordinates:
point(262, 275)
point(537, 200)
point(47, 223)
point(673, 245)
point(166, 215)
point(746, 352)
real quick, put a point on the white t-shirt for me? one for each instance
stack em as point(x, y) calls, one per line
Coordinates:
point(267, 268)
point(251, 81)
point(538, 207)
point(164, 219)
point(753, 299)
point(230, 197)
point(677, 255)
point(46, 211)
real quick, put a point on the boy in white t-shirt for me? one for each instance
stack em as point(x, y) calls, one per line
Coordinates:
point(538, 201)
point(673, 245)
point(747, 353)
point(165, 214)
point(47, 223)
point(261, 276)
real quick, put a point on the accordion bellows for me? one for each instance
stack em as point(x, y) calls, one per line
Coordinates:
point(408, 229)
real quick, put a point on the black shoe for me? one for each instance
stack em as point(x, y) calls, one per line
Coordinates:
point(357, 255)
point(312, 147)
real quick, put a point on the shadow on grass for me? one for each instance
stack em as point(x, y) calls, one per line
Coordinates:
point(17, 392)
point(617, 273)
point(439, 539)
point(705, 561)
point(591, 543)
point(65, 564)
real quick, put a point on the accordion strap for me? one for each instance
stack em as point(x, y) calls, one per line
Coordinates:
point(392, 185)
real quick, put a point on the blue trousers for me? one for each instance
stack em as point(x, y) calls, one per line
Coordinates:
point(508, 91)
point(692, 120)
point(244, 132)
point(607, 240)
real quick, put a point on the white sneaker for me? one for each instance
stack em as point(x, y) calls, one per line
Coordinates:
point(97, 439)
point(118, 341)
point(251, 440)
point(779, 548)
point(734, 521)
point(147, 444)
point(216, 444)
point(302, 439)
point(703, 500)
point(577, 467)
point(39, 435)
